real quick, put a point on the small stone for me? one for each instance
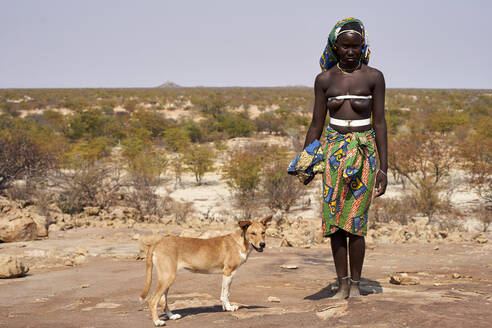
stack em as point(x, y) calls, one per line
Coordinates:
point(91, 211)
point(437, 284)
point(273, 299)
point(333, 311)
point(84, 286)
point(456, 275)
point(81, 250)
point(480, 238)
point(68, 226)
point(53, 228)
point(436, 248)
point(136, 236)
point(403, 280)
point(292, 267)
point(79, 259)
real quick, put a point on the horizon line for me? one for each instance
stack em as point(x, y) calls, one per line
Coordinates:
point(231, 87)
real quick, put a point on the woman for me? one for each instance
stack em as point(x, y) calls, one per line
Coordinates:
point(351, 92)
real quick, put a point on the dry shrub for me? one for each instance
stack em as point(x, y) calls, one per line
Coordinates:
point(18, 191)
point(425, 160)
point(145, 169)
point(96, 184)
point(21, 157)
point(42, 199)
point(484, 215)
point(143, 196)
point(280, 190)
point(247, 205)
point(177, 167)
point(248, 173)
point(181, 210)
point(384, 210)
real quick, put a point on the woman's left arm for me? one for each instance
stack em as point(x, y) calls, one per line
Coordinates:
point(379, 125)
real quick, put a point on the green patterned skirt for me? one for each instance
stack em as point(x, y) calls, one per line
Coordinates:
point(348, 180)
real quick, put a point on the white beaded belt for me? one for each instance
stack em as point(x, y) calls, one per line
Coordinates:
point(338, 122)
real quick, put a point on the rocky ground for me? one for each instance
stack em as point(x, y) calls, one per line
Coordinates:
point(92, 277)
point(86, 270)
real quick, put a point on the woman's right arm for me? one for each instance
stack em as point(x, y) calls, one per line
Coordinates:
point(319, 112)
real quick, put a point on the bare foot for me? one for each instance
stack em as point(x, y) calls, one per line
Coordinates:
point(343, 288)
point(354, 288)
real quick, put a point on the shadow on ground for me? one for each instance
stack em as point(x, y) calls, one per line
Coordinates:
point(367, 287)
point(208, 309)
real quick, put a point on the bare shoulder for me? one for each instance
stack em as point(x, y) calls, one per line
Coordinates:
point(375, 74)
point(323, 79)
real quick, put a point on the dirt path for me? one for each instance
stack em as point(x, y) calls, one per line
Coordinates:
point(103, 292)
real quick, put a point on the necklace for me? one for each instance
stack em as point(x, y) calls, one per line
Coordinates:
point(348, 72)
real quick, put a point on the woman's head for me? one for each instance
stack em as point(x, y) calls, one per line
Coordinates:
point(352, 28)
point(347, 42)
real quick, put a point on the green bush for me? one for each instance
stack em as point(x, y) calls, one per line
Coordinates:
point(89, 123)
point(176, 138)
point(199, 160)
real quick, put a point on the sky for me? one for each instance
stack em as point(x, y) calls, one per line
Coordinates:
point(119, 43)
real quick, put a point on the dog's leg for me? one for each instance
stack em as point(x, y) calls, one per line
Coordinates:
point(153, 304)
point(166, 273)
point(226, 285)
point(165, 307)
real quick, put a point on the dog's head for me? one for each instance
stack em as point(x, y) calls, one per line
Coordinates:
point(254, 232)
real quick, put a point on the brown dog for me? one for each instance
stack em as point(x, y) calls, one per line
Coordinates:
point(220, 254)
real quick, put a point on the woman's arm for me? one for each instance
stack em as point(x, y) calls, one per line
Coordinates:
point(319, 112)
point(379, 125)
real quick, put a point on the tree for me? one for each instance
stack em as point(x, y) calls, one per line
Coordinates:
point(425, 160)
point(176, 138)
point(199, 160)
point(476, 152)
point(21, 156)
point(243, 170)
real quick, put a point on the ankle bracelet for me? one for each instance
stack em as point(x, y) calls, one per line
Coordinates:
point(354, 281)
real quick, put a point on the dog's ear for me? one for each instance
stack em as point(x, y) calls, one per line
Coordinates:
point(244, 224)
point(266, 219)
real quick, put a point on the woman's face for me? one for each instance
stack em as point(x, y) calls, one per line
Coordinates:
point(349, 48)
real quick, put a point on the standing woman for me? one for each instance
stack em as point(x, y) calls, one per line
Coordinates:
point(351, 92)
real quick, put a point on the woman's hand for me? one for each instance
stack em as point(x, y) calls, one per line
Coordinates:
point(381, 183)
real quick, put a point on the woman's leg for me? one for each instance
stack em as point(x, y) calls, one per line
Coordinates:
point(357, 250)
point(339, 251)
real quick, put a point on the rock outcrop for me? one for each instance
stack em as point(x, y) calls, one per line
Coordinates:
point(11, 267)
point(20, 224)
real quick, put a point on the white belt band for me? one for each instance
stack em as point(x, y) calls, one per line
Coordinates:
point(350, 97)
point(338, 122)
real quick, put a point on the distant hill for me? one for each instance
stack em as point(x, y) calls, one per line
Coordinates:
point(169, 85)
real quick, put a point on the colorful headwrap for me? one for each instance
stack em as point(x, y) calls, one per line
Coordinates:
point(329, 57)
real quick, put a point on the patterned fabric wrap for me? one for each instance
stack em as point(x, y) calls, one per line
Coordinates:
point(308, 163)
point(348, 180)
point(329, 57)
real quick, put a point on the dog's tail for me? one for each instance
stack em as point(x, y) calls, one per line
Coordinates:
point(148, 272)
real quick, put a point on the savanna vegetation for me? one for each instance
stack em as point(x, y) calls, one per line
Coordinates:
point(98, 147)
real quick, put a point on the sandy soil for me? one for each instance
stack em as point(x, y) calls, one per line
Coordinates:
point(103, 291)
